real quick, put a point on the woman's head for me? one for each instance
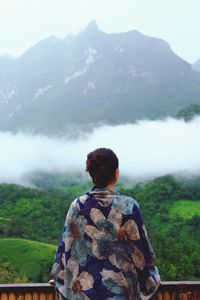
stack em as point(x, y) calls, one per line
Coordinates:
point(102, 165)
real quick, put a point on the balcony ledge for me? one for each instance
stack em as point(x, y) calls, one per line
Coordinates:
point(168, 290)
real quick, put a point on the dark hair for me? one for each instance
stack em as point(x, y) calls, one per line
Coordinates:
point(101, 165)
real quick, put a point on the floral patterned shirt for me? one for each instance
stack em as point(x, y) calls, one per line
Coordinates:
point(104, 252)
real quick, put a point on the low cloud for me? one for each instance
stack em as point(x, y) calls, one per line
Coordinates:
point(146, 149)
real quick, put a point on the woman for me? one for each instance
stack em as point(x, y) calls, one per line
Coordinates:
point(104, 252)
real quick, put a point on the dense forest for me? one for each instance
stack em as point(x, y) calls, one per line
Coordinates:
point(189, 112)
point(31, 221)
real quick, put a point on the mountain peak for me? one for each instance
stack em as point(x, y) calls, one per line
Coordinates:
point(92, 27)
point(196, 65)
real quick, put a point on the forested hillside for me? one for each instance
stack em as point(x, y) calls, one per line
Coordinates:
point(171, 211)
point(189, 112)
point(170, 208)
point(33, 214)
point(23, 260)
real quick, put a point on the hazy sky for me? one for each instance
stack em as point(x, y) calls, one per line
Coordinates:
point(25, 22)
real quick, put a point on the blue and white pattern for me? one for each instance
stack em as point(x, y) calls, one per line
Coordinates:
point(104, 252)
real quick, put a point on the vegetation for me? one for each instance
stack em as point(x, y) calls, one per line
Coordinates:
point(173, 224)
point(170, 208)
point(34, 214)
point(185, 209)
point(24, 260)
point(189, 112)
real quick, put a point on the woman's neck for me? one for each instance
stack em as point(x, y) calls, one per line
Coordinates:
point(110, 186)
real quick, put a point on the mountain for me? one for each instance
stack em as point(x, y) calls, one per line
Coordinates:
point(93, 78)
point(196, 65)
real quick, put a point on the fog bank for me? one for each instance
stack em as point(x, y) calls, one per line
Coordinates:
point(146, 149)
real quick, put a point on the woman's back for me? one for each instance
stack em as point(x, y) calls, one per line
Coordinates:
point(104, 252)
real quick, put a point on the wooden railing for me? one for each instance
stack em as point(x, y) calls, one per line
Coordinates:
point(27, 291)
point(178, 290)
point(175, 290)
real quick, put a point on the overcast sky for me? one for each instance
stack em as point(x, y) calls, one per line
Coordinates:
point(25, 22)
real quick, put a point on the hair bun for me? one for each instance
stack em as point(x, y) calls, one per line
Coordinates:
point(101, 165)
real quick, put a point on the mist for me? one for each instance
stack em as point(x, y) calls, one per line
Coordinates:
point(146, 149)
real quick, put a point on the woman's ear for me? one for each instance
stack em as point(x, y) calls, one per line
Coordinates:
point(116, 175)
